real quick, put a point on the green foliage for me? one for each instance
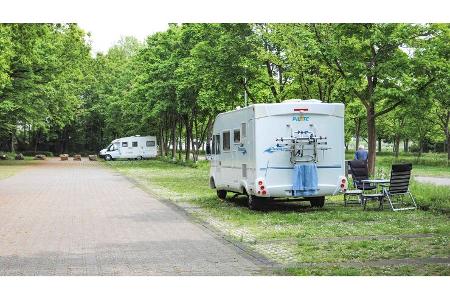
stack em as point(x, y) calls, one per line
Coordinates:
point(41, 73)
point(55, 96)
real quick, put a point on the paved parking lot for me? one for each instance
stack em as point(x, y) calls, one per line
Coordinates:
point(80, 218)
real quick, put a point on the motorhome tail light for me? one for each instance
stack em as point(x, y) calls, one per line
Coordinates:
point(261, 187)
point(300, 109)
point(342, 185)
point(264, 192)
point(343, 180)
point(260, 182)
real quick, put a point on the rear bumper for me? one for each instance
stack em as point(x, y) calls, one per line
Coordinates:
point(284, 191)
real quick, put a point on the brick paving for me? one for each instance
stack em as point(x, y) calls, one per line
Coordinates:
point(80, 218)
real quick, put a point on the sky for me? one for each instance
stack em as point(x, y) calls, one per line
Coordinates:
point(105, 35)
point(109, 20)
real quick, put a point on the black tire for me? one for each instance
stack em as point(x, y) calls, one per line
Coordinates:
point(317, 201)
point(253, 202)
point(108, 157)
point(139, 158)
point(222, 194)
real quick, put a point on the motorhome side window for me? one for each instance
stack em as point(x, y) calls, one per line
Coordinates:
point(124, 144)
point(150, 143)
point(244, 130)
point(237, 136)
point(226, 140)
point(216, 144)
point(134, 144)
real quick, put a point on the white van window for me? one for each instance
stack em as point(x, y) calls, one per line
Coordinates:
point(134, 144)
point(150, 143)
point(237, 136)
point(226, 140)
point(244, 130)
point(124, 144)
point(216, 141)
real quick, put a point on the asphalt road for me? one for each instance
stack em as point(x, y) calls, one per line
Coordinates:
point(433, 180)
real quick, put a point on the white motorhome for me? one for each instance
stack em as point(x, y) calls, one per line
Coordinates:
point(255, 150)
point(131, 147)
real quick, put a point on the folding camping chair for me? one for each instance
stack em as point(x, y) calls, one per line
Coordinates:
point(399, 187)
point(359, 171)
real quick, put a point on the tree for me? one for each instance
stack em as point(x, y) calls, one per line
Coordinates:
point(372, 61)
point(433, 68)
point(43, 68)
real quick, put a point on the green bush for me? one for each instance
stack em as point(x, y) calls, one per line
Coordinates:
point(34, 153)
point(184, 163)
point(83, 154)
point(426, 159)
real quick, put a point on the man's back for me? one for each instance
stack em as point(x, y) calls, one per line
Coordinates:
point(361, 154)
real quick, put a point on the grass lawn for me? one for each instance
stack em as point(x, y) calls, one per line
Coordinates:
point(306, 241)
point(11, 167)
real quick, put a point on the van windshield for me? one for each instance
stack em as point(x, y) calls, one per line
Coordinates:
point(111, 147)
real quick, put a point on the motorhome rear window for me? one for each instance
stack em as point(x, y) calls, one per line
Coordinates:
point(237, 136)
point(134, 144)
point(150, 143)
point(124, 144)
point(226, 140)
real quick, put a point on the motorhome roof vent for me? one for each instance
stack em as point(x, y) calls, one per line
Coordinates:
point(301, 100)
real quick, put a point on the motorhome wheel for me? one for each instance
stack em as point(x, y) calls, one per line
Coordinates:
point(317, 201)
point(139, 158)
point(222, 194)
point(108, 157)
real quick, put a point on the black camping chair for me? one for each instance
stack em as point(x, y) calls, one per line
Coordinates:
point(360, 172)
point(398, 188)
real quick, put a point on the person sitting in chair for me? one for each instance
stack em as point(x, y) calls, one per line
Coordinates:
point(361, 154)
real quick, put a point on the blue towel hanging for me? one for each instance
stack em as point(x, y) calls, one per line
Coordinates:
point(305, 179)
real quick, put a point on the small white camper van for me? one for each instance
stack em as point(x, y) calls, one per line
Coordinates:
point(293, 149)
point(131, 147)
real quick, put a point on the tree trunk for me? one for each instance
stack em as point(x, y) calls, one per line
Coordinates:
point(420, 147)
point(397, 146)
point(372, 138)
point(406, 145)
point(188, 139)
point(161, 141)
point(448, 145)
point(174, 140)
point(36, 141)
point(12, 142)
point(357, 132)
point(180, 148)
